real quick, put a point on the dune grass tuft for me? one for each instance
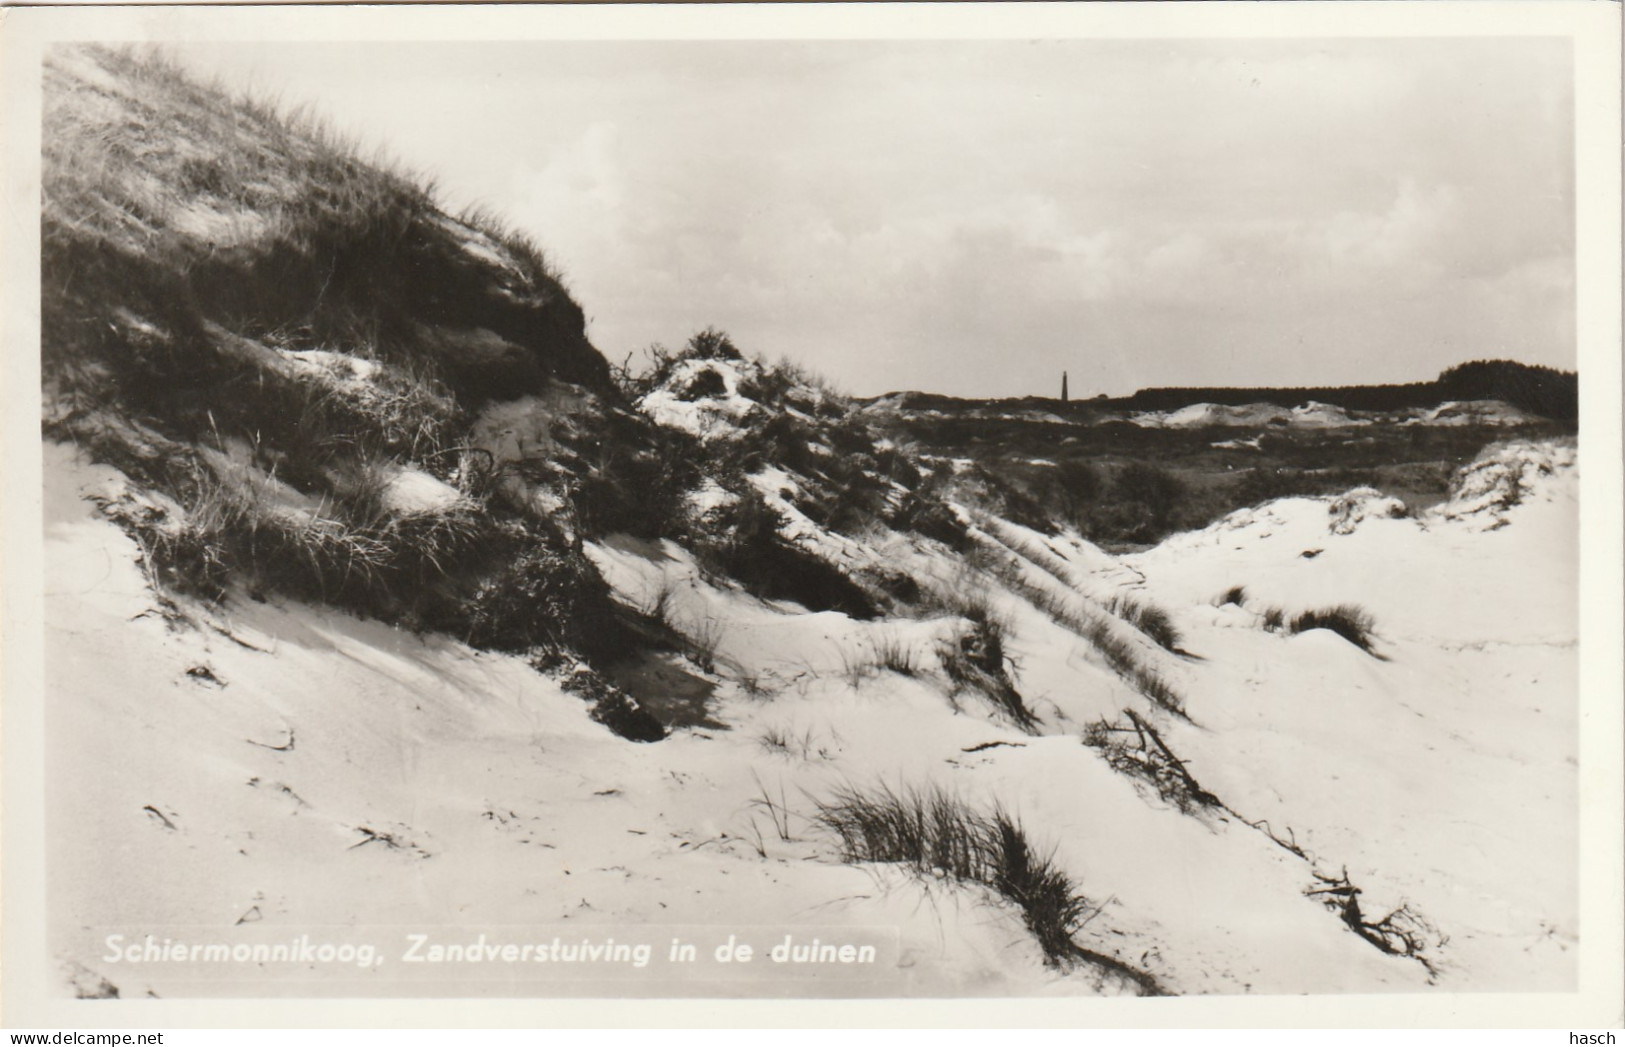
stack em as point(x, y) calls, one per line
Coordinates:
point(1150, 619)
point(934, 834)
point(1350, 621)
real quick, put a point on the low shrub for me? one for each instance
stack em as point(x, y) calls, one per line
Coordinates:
point(742, 542)
point(613, 707)
point(1138, 503)
point(639, 486)
point(929, 518)
point(706, 383)
point(783, 440)
point(998, 495)
point(1077, 487)
point(546, 597)
point(713, 344)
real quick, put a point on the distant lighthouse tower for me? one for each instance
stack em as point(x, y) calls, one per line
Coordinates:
point(1063, 387)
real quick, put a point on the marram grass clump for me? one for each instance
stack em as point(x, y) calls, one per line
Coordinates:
point(1350, 621)
point(936, 835)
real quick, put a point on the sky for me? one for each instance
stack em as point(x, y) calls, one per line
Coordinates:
point(974, 217)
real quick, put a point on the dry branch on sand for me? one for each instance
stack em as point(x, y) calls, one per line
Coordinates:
point(1403, 932)
point(1137, 749)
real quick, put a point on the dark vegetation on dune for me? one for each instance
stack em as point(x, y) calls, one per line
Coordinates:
point(279, 341)
point(1545, 391)
point(1123, 485)
point(267, 334)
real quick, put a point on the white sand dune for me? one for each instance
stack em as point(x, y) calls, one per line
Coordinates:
point(287, 767)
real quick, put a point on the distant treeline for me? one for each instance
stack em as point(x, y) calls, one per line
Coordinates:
point(1544, 391)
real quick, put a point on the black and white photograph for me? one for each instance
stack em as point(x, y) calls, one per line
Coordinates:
point(898, 514)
